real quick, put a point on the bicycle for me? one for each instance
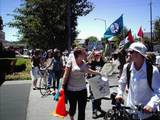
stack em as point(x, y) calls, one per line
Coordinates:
point(137, 113)
point(118, 111)
point(122, 112)
point(44, 89)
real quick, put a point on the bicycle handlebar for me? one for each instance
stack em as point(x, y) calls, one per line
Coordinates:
point(139, 108)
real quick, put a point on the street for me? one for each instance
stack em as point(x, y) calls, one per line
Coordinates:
point(19, 102)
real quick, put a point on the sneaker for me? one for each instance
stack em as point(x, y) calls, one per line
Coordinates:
point(94, 115)
point(102, 111)
point(53, 92)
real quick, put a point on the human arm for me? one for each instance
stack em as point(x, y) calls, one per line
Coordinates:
point(90, 57)
point(90, 71)
point(66, 76)
point(154, 101)
point(49, 63)
point(67, 72)
point(122, 83)
point(32, 58)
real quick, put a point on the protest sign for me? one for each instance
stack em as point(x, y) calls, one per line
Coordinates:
point(99, 86)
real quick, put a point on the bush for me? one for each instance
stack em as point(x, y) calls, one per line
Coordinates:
point(20, 68)
point(21, 64)
point(6, 64)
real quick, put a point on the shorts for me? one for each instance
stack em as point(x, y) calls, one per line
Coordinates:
point(35, 73)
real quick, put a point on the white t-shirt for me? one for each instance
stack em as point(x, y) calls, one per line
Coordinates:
point(77, 76)
point(158, 60)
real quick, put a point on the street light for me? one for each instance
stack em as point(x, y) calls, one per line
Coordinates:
point(101, 20)
point(105, 31)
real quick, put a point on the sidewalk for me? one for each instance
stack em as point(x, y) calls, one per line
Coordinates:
point(14, 100)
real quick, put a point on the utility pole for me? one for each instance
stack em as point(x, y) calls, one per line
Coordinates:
point(69, 24)
point(151, 25)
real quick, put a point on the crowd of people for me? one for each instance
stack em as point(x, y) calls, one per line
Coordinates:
point(51, 60)
point(139, 76)
point(80, 65)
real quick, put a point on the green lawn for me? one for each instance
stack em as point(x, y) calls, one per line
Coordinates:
point(24, 75)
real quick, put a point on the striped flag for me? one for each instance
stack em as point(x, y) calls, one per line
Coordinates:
point(127, 41)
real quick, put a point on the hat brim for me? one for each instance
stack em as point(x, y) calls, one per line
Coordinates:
point(143, 54)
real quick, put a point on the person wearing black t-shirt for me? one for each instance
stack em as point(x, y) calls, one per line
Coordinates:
point(96, 62)
point(35, 60)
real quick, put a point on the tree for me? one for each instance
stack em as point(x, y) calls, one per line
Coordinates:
point(92, 39)
point(43, 23)
point(157, 30)
point(1, 23)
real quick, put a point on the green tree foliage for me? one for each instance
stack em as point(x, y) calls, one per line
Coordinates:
point(92, 38)
point(43, 23)
point(157, 30)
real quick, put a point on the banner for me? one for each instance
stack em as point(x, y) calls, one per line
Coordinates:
point(95, 44)
point(115, 28)
point(99, 86)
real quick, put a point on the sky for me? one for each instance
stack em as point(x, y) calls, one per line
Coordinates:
point(136, 13)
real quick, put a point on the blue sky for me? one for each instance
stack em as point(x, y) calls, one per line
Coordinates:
point(135, 14)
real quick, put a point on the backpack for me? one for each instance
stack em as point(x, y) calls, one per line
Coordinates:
point(149, 73)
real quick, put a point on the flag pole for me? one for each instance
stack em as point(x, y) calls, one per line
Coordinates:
point(151, 25)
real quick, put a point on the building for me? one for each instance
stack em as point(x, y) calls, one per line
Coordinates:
point(148, 34)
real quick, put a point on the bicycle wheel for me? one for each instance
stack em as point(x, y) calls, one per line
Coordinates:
point(109, 115)
point(43, 87)
point(124, 116)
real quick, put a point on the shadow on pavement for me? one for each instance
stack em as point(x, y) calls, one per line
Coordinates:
point(14, 100)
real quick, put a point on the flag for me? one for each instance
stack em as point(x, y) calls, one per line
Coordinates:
point(130, 37)
point(127, 41)
point(140, 32)
point(115, 28)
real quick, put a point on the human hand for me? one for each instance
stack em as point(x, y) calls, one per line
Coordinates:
point(119, 99)
point(61, 89)
point(148, 108)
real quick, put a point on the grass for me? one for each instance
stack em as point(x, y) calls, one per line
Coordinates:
point(24, 75)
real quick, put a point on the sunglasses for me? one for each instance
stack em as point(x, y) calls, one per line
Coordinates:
point(131, 52)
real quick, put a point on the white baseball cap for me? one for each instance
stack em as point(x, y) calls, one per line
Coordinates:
point(138, 47)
